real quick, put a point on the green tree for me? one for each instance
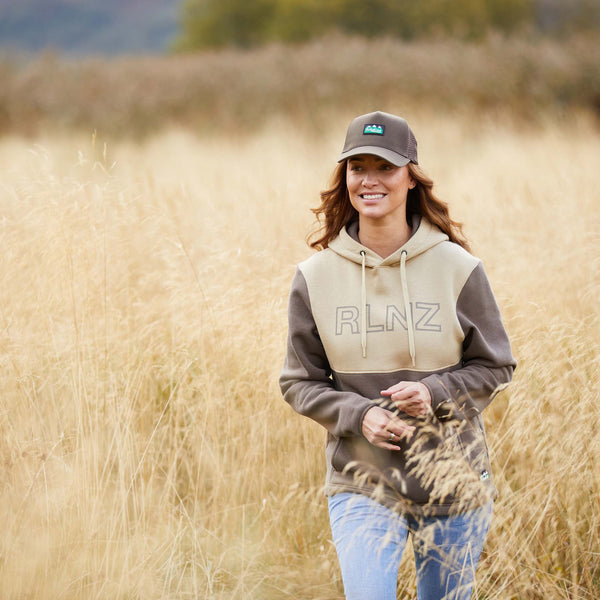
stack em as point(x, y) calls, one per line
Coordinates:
point(214, 23)
point(217, 23)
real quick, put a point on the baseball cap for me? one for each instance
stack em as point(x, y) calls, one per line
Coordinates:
point(383, 135)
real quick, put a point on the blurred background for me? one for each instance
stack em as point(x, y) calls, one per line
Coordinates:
point(137, 65)
point(111, 27)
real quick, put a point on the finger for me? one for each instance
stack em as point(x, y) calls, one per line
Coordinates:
point(407, 407)
point(405, 394)
point(415, 399)
point(391, 440)
point(412, 408)
point(388, 446)
point(415, 411)
point(399, 431)
point(395, 388)
point(411, 401)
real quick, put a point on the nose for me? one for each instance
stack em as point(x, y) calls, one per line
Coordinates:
point(369, 178)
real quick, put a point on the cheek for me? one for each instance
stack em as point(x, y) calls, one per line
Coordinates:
point(353, 201)
point(353, 185)
point(399, 184)
point(397, 180)
point(351, 181)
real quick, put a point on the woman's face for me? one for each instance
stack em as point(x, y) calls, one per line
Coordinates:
point(377, 188)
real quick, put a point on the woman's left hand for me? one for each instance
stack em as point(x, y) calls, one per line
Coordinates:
point(411, 397)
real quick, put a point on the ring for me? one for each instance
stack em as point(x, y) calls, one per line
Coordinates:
point(392, 437)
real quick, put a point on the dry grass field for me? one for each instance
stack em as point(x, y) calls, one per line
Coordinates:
point(145, 451)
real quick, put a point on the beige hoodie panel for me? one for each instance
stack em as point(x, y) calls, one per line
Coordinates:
point(435, 279)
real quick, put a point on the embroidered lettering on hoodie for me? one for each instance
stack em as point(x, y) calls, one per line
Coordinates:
point(347, 318)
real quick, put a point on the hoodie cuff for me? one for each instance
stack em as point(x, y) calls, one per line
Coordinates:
point(442, 404)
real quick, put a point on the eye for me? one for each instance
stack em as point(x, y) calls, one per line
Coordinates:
point(355, 167)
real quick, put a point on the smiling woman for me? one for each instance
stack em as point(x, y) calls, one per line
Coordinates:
point(378, 191)
point(400, 395)
point(337, 208)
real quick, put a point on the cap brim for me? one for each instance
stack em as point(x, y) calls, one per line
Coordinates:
point(393, 157)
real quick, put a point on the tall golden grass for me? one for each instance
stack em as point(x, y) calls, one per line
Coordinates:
point(145, 449)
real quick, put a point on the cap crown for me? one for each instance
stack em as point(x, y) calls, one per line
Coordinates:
point(381, 134)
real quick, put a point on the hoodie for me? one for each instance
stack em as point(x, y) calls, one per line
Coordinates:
point(359, 323)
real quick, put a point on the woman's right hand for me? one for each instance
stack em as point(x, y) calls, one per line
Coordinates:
point(382, 428)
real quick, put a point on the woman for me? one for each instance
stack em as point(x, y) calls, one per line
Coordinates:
point(395, 346)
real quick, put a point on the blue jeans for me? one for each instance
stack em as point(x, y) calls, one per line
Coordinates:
point(370, 539)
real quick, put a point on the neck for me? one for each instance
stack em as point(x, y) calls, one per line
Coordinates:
point(383, 238)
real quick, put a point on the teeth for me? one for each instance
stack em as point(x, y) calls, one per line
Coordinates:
point(372, 196)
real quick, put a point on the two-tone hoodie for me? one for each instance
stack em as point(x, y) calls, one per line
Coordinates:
point(359, 323)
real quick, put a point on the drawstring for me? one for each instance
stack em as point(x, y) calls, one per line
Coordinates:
point(407, 310)
point(363, 316)
point(409, 319)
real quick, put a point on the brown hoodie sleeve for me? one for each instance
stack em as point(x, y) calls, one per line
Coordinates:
point(306, 379)
point(487, 362)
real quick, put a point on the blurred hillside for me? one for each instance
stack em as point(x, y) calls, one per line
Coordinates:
point(79, 28)
point(84, 27)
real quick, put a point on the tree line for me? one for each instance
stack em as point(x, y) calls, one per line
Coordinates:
point(249, 23)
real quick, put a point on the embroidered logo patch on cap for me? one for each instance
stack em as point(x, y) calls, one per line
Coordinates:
point(373, 129)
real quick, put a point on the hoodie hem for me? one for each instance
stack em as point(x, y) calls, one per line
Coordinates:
point(404, 506)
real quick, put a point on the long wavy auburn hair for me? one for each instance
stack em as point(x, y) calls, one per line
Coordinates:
point(336, 210)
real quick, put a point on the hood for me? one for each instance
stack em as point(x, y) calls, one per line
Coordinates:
point(424, 236)
point(346, 244)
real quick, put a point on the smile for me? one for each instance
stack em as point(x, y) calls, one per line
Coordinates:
point(372, 196)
